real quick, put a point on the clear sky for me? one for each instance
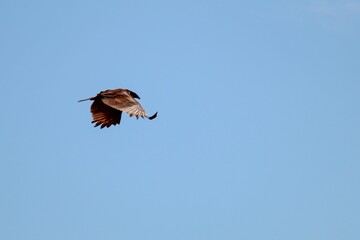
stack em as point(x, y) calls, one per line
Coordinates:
point(257, 135)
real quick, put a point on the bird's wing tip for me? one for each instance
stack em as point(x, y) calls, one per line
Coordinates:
point(82, 100)
point(153, 116)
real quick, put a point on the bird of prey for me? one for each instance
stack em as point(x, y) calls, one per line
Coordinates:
point(108, 106)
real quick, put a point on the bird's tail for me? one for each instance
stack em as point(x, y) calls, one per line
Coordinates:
point(153, 116)
point(86, 99)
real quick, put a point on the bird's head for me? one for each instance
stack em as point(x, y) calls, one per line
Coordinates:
point(134, 95)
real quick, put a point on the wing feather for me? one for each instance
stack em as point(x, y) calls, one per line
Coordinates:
point(104, 115)
point(122, 100)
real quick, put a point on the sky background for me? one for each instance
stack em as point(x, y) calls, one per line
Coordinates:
point(257, 135)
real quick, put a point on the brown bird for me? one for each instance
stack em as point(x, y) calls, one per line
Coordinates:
point(108, 106)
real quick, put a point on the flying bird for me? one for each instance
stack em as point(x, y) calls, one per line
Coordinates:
point(108, 106)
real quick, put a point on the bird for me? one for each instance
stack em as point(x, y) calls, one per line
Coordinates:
point(108, 106)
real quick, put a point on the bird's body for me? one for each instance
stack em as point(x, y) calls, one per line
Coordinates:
point(108, 106)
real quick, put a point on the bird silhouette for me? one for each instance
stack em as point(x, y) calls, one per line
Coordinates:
point(108, 106)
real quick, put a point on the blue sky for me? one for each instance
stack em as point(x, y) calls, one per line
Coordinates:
point(257, 135)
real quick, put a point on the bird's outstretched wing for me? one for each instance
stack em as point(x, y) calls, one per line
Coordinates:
point(123, 100)
point(104, 115)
